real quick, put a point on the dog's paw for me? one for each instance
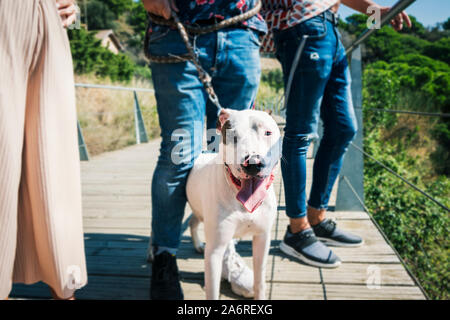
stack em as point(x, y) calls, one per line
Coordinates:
point(200, 248)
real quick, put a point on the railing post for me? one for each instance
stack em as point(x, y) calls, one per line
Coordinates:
point(351, 178)
point(141, 132)
point(84, 155)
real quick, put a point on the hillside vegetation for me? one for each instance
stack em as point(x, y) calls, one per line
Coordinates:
point(409, 71)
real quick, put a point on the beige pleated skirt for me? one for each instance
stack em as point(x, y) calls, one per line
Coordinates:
point(41, 235)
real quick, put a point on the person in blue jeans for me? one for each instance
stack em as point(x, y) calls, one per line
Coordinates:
point(231, 57)
point(320, 89)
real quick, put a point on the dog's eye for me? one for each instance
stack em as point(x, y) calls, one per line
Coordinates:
point(268, 133)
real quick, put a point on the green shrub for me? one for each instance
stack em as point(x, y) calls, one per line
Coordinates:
point(90, 57)
point(416, 226)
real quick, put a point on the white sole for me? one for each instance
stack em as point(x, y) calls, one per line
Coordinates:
point(238, 291)
point(241, 292)
point(334, 243)
point(293, 253)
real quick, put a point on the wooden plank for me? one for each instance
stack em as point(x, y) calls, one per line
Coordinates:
point(358, 273)
point(117, 204)
point(338, 215)
point(294, 291)
point(135, 223)
point(362, 292)
point(98, 288)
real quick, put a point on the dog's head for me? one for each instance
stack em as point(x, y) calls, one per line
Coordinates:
point(250, 143)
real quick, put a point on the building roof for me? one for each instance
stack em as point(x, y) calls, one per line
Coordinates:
point(103, 34)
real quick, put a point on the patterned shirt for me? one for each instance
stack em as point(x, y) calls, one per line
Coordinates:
point(283, 14)
point(196, 10)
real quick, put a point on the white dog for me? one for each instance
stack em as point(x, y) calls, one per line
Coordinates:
point(232, 193)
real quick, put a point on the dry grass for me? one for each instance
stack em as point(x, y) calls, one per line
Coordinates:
point(107, 116)
point(270, 64)
point(414, 132)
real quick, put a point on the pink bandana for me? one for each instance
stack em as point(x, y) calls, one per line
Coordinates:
point(252, 192)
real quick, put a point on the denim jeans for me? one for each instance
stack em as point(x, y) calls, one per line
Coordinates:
point(231, 57)
point(320, 88)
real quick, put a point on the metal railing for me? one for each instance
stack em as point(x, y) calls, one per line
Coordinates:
point(416, 113)
point(140, 129)
point(345, 182)
point(396, 9)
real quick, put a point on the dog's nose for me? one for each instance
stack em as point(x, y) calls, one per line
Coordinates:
point(252, 165)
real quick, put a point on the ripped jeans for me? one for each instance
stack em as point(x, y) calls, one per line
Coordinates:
point(320, 88)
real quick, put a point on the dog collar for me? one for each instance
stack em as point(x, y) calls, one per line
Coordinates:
point(250, 200)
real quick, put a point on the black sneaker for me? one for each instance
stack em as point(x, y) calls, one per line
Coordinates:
point(165, 282)
point(305, 247)
point(327, 232)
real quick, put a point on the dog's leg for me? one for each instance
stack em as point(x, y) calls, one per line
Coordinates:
point(261, 245)
point(213, 269)
point(194, 222)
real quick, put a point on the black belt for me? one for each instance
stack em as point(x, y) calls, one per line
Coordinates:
point(208, 22)
point(330, 16)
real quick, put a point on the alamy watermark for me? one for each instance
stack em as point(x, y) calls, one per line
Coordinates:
point(77, 23)
point(74, 277)
point(374, 20)
point(373, 280)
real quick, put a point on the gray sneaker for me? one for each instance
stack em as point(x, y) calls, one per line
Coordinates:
point(327, 232)
point(305, 247)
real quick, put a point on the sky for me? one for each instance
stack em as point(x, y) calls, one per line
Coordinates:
point(428, 12)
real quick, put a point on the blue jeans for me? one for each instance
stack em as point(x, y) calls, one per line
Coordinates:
point(320, 88)
point(231, 57)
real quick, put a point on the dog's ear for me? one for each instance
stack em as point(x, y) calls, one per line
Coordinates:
point(223, 117)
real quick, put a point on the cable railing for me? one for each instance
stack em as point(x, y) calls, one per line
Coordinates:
point(396, 9)
point(416, 113)
point(409, 183)
point(276, 107)
point(101, 86)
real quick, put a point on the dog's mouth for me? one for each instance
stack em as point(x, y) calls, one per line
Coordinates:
point(252, 190)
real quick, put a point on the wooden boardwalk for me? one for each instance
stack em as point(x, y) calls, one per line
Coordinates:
point(116, 201)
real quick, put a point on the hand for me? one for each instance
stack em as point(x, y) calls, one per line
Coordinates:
point(67, 11)
point(161, 8)
point(397, 22)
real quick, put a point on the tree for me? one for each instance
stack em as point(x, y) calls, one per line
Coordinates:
point(138, 19)
point(439, 50)
point(417, 28)
point(446, 24)
point(118, 7)
point(99, 16)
